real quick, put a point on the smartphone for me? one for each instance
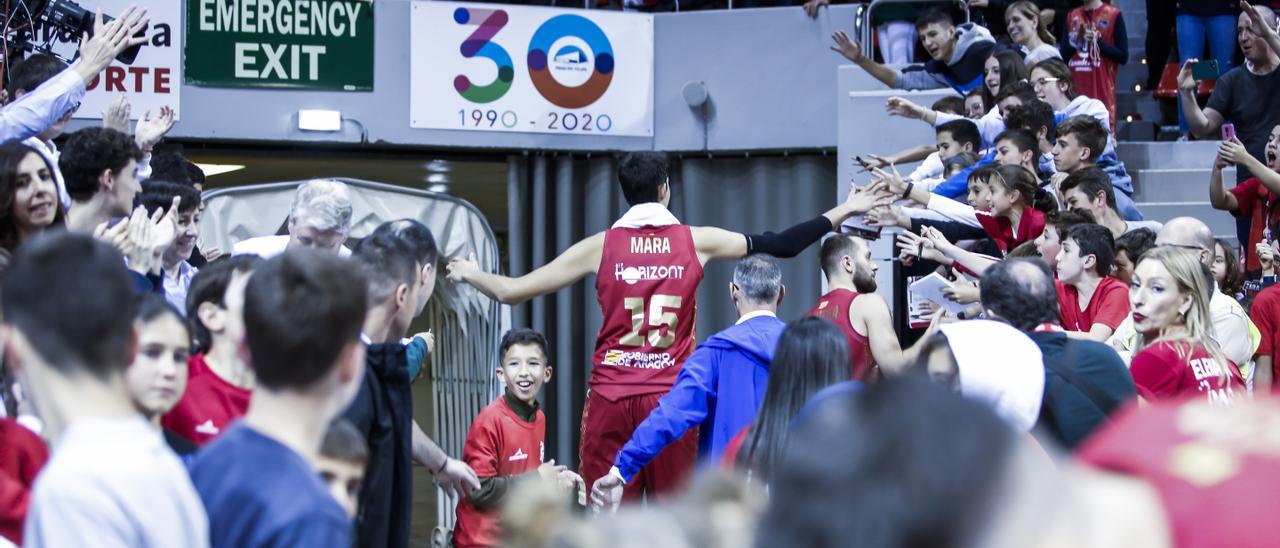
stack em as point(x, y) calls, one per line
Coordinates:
point(1205, 70)
point(1228, 131)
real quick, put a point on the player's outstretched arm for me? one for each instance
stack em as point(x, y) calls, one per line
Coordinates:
point(717, 243)
point(575, 263)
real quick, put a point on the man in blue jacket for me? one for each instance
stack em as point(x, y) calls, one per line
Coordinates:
point(720, 386)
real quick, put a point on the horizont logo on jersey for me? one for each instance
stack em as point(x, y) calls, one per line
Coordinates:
point(634, 274)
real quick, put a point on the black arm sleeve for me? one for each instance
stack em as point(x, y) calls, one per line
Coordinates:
point(493, 490)
point(951, 230)
point(1119, 52)
point(789, 242)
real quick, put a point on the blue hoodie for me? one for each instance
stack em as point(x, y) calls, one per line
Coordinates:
point(733, 362)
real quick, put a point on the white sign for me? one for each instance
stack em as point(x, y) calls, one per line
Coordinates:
point(154, 79)
point(491, 67)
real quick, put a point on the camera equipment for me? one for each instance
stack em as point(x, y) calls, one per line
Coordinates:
point(36, 25)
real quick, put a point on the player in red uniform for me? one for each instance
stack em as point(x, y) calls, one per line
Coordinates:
point(851, 302)
point(648, 266)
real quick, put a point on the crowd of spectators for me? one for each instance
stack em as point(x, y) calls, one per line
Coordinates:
point(1087, 373)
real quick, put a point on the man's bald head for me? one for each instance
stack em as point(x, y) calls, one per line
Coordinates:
point(1020, 291)
point(1190, 233)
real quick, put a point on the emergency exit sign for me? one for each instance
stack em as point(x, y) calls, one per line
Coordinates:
point(308, 44)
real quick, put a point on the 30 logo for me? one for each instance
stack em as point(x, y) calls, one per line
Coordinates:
point(570, 59)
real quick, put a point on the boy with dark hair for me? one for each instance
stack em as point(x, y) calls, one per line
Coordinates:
point(957, 137)
point(1091, 303)
point(1017, 147)
point(302, 315)
point(176, 271)
point(219, 381)
point(1090, 188)
point(343, 456)
point(504, 438)
point(100, 167)
point(1056, 225)
point(957, 54)
point(1081, 141)
point(383, 407)
point(951, 104)
point(111, 481)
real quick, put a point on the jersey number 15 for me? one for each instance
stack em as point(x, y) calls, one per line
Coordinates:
point(658, 316)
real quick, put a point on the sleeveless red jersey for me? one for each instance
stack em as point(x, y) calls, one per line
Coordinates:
point(647, 287)
point(835, 306)
point(1094, 74)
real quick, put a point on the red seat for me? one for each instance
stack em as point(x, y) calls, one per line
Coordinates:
point(1168, 88)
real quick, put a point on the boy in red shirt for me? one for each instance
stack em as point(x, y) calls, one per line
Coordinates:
point(1083, 264)
point(219, 383)
point(504, 438)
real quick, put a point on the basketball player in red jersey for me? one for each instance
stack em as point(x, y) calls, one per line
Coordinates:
point(853, 305)
point(647, 268)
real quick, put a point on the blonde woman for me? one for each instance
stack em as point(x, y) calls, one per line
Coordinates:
point(1028, 31)
point(1176, 355)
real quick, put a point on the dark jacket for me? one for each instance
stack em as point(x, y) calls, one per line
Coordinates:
point(1085, 382)
point(383, 412)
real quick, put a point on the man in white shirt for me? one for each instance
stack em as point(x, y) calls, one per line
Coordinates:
point(319, 218)
point(111, 479)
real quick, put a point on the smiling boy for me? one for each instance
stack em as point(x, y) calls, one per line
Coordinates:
point(504, 438)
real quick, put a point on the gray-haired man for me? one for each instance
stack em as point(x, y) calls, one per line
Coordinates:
point(720, 386)
point(320, 218)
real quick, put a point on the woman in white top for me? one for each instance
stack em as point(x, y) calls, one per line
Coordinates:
point(1029, 33)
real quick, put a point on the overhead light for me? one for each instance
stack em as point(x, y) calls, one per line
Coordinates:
point(319, 120)
point(218, 169)
point(437, 178)
point(439, 166)
point(438, 188)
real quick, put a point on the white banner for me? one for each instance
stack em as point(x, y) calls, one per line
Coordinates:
point(155, 77)
point(493, 67)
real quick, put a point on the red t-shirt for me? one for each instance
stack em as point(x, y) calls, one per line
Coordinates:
point(1259, 204)
point(1265, 313)
point(835, 306)
point(1216, 469)
point(1167, 370)
point(22, 455)
point(1108, 306)
point(499, 444)
point(647, 287)
point(208, 406)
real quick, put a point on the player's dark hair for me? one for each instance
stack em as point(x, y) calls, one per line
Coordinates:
point(210, 286)
point(833, 249)
point(921, 465)
point(27, 75)
point(301, 310)
point(167, 164)
point(812, 354)
point(1090, 181)
point(1095, 240)
point(12, 153)
point(962, 131)
point(1089, 133)
point(343, 442)
point(641, 174)
point(159, 194)
point(388, 262)
point(414, 233)
point(952, 104)
point(89, 152)
point(522, 336)
point(1021, 292)
point(71, 297)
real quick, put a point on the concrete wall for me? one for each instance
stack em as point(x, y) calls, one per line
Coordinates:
point(769, 71)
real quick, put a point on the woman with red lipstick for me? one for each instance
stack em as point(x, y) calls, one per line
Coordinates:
point(28, 196)
point(158, 375)
point(1177, 356)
